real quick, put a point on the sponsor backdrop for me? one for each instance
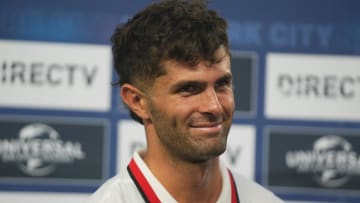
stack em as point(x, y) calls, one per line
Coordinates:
point(296, 65)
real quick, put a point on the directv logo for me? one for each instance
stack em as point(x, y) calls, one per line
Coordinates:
point(39, 149)
point(311, 85)
point(332, 161)
point(47, 74)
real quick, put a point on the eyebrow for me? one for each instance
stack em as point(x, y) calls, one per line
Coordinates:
point(184, 83)
point(201, 83)
point(227, 76)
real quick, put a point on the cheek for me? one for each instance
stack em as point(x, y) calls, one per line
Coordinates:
point(183, 110)
point(173, 110)
point(227, 102)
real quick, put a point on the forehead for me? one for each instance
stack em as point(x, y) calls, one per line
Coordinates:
point(203, 72)
point(174, 67)
point(223, 63)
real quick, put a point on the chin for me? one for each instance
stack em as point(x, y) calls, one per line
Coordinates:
point(205, 156)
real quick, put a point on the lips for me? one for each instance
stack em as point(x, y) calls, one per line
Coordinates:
point(205, 120)
point(207, 128)
point(205, 125)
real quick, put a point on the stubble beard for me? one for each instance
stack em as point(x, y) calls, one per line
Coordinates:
point(182, 145)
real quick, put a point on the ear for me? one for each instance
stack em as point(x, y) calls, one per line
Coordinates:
point(135, 99)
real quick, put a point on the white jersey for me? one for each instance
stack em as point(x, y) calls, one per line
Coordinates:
point(124, 188)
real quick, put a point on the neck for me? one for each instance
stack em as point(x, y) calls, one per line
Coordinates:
point(189, 182)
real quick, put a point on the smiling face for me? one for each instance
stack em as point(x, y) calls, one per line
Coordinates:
point(191, 108)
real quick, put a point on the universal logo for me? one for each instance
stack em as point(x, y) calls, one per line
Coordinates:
point(39, 149)
point(332, 161)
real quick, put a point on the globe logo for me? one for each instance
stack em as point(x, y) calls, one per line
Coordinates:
point(34, 162)
point(333, 173)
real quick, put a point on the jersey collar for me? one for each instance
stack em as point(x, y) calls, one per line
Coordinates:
point(153, 191)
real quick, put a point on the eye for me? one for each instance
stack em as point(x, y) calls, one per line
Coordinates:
point(189, 88)
point(223, 83)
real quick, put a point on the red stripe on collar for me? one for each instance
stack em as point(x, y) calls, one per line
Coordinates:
point(141, 183)
point(234, 193)
point(148, 193)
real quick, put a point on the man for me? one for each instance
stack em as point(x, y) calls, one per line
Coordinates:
point(174, 67)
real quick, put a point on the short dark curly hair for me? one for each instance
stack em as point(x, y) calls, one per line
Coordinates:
point(184, 31)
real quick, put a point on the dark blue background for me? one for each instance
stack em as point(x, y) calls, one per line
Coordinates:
point(251, 26)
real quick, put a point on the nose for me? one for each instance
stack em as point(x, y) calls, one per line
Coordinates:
point(210, 102)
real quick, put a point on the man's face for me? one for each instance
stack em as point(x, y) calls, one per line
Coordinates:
point(191, 108)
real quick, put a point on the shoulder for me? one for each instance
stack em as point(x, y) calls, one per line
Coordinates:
point(116, 189)
point(251, 192)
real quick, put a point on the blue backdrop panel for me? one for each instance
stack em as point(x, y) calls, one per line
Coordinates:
point(256, 28)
